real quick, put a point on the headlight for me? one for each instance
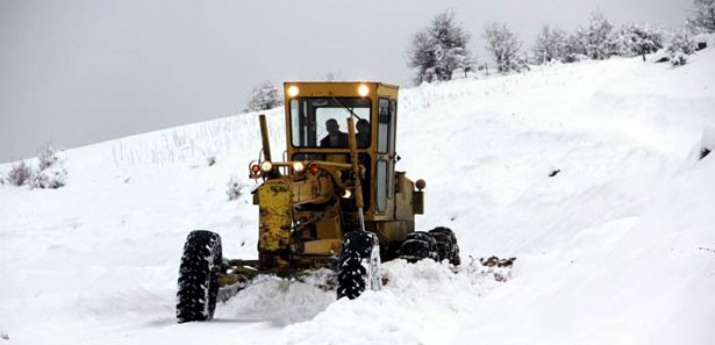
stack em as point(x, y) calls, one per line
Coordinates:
point(363, 90)
point(293, 91)
point(347, 194)
point(266, 166)
point(298, 166)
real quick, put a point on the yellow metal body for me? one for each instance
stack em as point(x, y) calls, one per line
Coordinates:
point(307, 203)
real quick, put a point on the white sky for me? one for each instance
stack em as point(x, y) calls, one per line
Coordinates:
point(81, 71)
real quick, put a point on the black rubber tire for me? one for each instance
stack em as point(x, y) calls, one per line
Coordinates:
point(447, 245)
point(359, 264)
point(417, 246)
point(198, 277)
point(444, 245)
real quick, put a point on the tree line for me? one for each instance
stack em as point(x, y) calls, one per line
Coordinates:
point(440, 51)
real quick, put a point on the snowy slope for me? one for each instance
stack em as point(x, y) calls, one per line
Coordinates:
point(617, 248)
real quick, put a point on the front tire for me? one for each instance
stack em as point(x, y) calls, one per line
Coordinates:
point(359, 265)
point(198, 277)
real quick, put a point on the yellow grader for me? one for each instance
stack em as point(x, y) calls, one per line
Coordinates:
point(336, 202)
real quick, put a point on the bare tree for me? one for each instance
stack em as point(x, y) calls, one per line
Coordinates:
point(703, 17)
point(504, 46)
point(439, 50)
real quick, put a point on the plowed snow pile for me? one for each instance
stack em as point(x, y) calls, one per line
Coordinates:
point(590, 174)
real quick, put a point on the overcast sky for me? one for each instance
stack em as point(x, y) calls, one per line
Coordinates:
point(78, 72)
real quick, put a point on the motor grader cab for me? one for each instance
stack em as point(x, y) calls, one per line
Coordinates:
point(336, 202)
point(316, 189)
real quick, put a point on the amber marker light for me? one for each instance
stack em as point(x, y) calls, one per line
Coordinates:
point(313, 169)
point(255, 168)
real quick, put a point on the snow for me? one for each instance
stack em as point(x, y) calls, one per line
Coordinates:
point(615, 248)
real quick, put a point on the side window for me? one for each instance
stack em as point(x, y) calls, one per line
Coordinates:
point(383, 124)
point(299, 138)
point(391, 150)
point(384, 168)
point(381, 186)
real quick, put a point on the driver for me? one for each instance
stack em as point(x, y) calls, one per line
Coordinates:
point(335, 137)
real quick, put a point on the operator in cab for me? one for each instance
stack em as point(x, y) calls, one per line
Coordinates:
point(335, 137)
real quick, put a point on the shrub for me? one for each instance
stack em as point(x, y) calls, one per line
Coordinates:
point(20, 174)
point(680, 46)
point(235, 188)
point(52, 173)
point(47, 156)
point(50, 178)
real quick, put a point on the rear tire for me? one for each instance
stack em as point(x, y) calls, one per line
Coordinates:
point(359, 266)
point(419, 245)
point(198, 277)
point(446, 245)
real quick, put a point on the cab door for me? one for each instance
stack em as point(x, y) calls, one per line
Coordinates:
point(385, 162)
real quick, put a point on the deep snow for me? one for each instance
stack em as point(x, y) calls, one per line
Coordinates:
point(618, 247)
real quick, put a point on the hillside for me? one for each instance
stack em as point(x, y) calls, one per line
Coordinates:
point(616, 248)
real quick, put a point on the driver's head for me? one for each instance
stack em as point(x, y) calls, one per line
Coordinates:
point(332, 126)
point(363, 125)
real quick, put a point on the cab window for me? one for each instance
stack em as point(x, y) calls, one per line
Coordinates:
point(322, 122)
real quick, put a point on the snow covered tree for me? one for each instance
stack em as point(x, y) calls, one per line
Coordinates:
point(600, 44)
point(423, 57)
point(550, 45)
point(437, 51)
point(703, 17)
point(575, 48)
point(264, 96)
point(634, 40)
point(680, 46)
point(504, 46)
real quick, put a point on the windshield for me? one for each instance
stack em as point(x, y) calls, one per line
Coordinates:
point(323, 122)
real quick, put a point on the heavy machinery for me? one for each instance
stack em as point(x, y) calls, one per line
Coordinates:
point(336, 202)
